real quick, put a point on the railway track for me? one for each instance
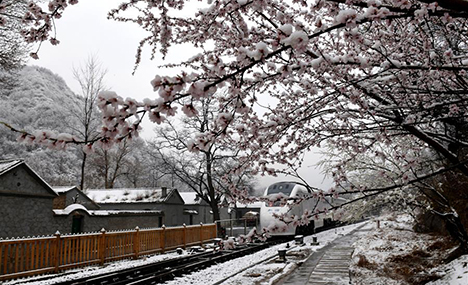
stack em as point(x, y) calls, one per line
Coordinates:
point(166, 270)
point(169, 269)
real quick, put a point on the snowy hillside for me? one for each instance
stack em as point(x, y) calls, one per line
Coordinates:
point(40, 100)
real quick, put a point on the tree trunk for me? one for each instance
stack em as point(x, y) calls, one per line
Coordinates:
point(83, 165)
point(215, 209)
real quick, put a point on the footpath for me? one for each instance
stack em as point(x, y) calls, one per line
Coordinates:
point(328, 265)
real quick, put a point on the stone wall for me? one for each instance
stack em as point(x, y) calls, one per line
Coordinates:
point(26, 216)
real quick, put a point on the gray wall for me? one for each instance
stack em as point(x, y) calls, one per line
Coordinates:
point(203, 216)
point(114, 222)
point(26, 216)
point(172, 212)
point(25, 204)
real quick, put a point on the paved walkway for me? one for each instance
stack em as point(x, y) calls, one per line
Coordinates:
point(328, 265)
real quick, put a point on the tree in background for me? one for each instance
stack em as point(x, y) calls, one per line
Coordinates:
point(205, 170)
point(110, 163)
point(90, 75)
point(144, 168)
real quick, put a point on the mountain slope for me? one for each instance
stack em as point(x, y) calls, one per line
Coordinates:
point(40, 100)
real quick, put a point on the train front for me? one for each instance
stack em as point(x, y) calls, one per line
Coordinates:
point(269, 209)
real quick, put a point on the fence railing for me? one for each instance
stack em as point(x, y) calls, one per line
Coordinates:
point(32, 256)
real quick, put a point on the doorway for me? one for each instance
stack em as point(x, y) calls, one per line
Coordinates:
point(77, 224)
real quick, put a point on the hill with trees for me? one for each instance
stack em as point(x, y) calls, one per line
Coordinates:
point(39, 99)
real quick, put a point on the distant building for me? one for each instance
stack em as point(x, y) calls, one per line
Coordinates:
point(76, 212)
point(166, 204)
point(196, 210)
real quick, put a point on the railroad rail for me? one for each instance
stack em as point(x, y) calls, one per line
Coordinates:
point(168, 269)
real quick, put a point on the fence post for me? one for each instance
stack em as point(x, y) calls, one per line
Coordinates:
point(185, 236)
point(102, 246)
point(136, 243)
point(201, 233)
point(57, 251)
point(163, 238)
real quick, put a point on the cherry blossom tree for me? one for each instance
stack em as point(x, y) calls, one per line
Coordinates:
point(354, 74)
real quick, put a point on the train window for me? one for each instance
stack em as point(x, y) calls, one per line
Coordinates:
point(282, 187)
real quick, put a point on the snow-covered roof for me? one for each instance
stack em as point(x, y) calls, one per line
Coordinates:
point(70, 208)
point(6, 165)
point(190, 198)
point(127, 195)
point(63, 189)
point(191, 212)
point(251, 205)
point(74, 207)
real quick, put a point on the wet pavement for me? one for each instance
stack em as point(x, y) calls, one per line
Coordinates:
point(328, 265)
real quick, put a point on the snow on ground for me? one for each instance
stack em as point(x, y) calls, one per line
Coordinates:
point(394, 254)
point(91, 270)
point(259, 268)
point(455, 273)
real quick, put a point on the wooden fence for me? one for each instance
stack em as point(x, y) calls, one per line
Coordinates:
point(32, 256)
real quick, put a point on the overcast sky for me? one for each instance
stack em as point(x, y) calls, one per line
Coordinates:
point(84, 30)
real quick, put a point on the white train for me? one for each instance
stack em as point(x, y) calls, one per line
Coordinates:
point(293, 189)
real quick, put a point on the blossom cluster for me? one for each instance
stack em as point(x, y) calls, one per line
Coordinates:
point(40, 23)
